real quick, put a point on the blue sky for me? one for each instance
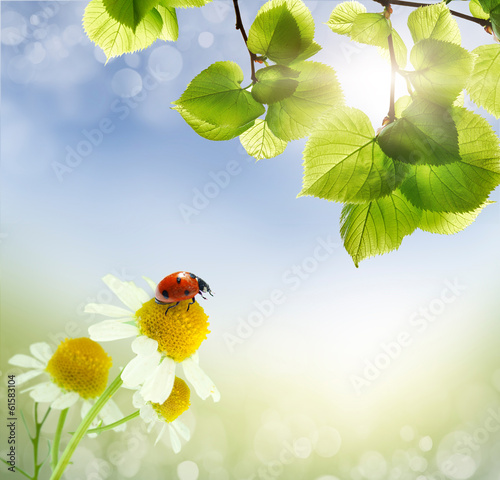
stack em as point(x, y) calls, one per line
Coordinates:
point(96, 180)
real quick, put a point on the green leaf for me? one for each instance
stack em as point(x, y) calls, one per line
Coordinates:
point(275, 83)
point(311, 50)
point(477, 11)
point(343, 16)
point(460, 100)
point(184, 3)
point(215, 96)
point(464, 185)
point(492, 7)
point(343, 163)
point(400, 51)
point(116, 39)
point(448, 223)
point(260, 142)
point(495, 21)
point(434, 21)
point(442, 70)
point(170, 30)
point(371, 28)
point(484, 84)
point(402, 103)
point(318, 91)
point(276, 35)
point(282, 30)
point(377, 227)
point(425, 133)
point(374, 29)
point(489, 5)
point(210, 131)
point(129, 12)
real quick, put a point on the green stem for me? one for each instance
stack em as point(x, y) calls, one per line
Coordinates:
point(114, 425)
point(83, 427)
point(57, 438)
point(36, 440)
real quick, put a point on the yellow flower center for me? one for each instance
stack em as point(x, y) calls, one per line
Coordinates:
point(177, 403)
point(179, 333)
point(80, 365)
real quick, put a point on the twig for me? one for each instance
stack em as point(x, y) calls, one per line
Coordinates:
point(241, 28)
point(394, 68)
point(479, 21)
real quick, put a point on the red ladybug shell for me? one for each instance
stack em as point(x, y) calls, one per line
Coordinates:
point(176, 287)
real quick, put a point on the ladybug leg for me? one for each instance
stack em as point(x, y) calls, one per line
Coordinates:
point(171, 306)
point(192, 301)
point(204, 298)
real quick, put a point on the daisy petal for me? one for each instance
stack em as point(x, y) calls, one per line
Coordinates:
point(148, 414)
point(139, 293)
point(152, 285)
point(137, 400)
point(25, 377)
point(139, 369)
point(44, 392)
point(65, 401)
point(201, 382)
point(158, 386)
point(110, 413)
point(109, 330)
point(42, 352)
point(195, 357)
point(181, 429)
point(124, 291)
point(174, 439)
point(26, 361)
point(108, 310)
point(144, 346)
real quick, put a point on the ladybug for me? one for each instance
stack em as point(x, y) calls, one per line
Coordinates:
point(180, 286)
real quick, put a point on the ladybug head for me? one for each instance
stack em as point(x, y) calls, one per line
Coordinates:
point(204, 288)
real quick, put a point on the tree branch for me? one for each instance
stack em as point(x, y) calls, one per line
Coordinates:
point(391, 116)
point(479, 21)
point(241, 28)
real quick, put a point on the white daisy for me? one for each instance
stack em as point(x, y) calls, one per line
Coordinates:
point(78, 369)
point(166, 415)
point(162, 340)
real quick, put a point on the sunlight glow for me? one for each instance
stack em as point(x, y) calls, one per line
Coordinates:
point(366, 81)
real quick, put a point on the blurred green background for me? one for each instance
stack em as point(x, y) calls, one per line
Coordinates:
point(389, 371)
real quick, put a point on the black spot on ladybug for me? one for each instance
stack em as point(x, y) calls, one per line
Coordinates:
point(178, 279)
point(192, 275)
point(186, 292)
point(165, 293)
